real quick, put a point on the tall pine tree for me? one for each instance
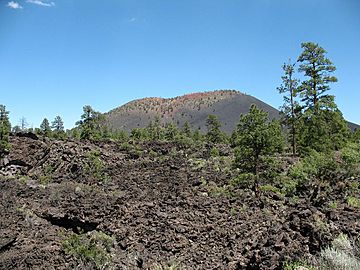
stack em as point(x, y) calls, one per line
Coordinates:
point(291, 109)
point(318, 69)
point(58, 128)
point(45, 127)
point(5, 129)
point(323, 126)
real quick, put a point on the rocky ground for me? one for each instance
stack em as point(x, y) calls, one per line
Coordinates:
point(145, 206)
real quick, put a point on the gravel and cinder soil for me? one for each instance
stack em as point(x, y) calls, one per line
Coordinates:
point(157, 204)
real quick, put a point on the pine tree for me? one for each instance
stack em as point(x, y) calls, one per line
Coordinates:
point(90, 124)
point(45, 127)
point(197, 136)
point(155, 130)
point(58, 128)
point(5, 129)
point(186, 130)
point(323, 126)
point(318, 69)
point(214, 134)
point(355, 136)
point(256, 138)
point(291, 109)
point(171, 131)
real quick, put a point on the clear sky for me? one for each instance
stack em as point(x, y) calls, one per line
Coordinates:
point(58, 55)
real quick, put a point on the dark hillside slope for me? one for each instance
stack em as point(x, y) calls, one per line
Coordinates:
point(194, 108)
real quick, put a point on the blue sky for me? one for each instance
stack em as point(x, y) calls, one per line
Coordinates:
point(56, 56)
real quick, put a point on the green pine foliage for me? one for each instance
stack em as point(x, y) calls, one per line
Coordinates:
point(318, 69)
point(5, 129)
point(186, 130)
point(256, 139)
point(171, 132)
point(291, 109)
point(214, 134)
point(315, 166)
point(350, 156)
point(355, 136)
point(155, 130)
point(58, 128)
point(91, 125)
point(323, 126)
point(140, 134)
point(45, 128)
point(325, 131)
point(197, 135)
point(314, 122)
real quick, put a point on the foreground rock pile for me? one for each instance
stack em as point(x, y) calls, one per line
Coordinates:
point(156, 208)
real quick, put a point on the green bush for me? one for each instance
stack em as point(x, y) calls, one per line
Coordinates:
point(95, 167)
point(270, 188)
point(315, 166)
point(297, 265)
point(354, 202)
point(270, 169)
point(183, 140)
point(288, 185)
point(350, 156)
point(214, 152)
point(243, 180)
point(92, 249)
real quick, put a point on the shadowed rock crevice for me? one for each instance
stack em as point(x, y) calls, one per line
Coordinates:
point(74, 224)
point(7, 245)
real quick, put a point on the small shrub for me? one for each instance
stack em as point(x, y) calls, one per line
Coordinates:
point(333, 204)
point(354, 202)
point(215, 190)
point(214, 152)
point(243, 180)
point(342, 243)
point(153, 154)
point(321, 224)
point(315, 166)
point(288, 185)
point(340, 256)
point(45, 179)
point(334, 259)
point(95, 167)
point(92, 249)
point(233, 211)
point(270, 169)
point(354, 186)
point(270, 188)
point(350, 156)
point(125, 146)
point(197, 164)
